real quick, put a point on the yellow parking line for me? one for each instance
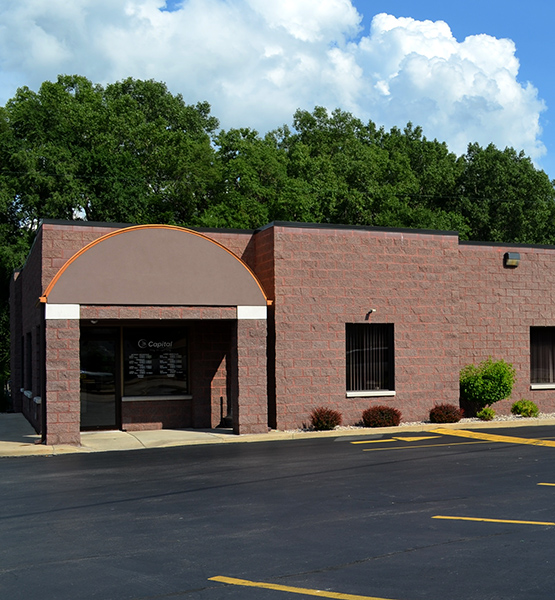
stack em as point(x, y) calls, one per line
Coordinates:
point(416, 438)
point(494, 520)
point(452, 444)
point(552, 484)
point(375, 441)
point(490, 437)
point(292, 590)
point(398, 439)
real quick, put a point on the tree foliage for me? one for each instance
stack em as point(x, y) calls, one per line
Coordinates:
point(133, 152)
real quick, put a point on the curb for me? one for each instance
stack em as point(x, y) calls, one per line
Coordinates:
point(122, 441)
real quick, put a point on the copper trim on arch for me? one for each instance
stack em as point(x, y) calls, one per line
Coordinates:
point(44, 297)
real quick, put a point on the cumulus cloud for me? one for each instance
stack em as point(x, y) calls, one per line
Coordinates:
point(458, 91)
point(257, 61)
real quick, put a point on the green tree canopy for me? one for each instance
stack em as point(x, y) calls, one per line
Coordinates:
point(130, 152)
point(133, 152)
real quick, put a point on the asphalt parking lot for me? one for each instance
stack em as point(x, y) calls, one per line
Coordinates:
point(439, 515)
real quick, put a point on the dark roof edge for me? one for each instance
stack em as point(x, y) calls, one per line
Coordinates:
point(222, 230)
point(298, 225)
point(507, 245)
point(83, 223)
point(125, 225)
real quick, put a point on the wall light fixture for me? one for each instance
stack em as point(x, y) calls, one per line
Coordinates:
point(511, 259)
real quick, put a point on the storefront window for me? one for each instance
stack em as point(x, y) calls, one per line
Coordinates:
point(155, 362)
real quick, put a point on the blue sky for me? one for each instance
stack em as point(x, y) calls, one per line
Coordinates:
point(529, 24)
point(466, 72)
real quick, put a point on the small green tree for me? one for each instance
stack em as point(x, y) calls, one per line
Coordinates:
point(484, 384)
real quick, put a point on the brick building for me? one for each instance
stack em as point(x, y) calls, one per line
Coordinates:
point(121, 327)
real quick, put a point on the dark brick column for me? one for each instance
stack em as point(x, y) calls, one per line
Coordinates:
point(250, 406)
point(63, 402)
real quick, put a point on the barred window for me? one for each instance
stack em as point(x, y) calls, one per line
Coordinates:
point(369, 349)
point(542, 355)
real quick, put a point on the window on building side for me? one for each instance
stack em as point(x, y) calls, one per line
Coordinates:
point(369, 357)
point(29, 361)
point(542, 355)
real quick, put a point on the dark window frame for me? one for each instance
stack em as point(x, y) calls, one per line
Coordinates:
point(542, 355)
point(370, 357)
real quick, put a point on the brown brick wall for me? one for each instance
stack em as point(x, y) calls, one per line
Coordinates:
point(61, 242)
point(210, 345)
point(63, 382)
point(25, 326)
point(210, 329)
point(158, 313)
point(499, 305)
point(449, 303)
point(264, 262)
point(240, 243)
point(145, 415)
point(250, 400)
point(326, 278)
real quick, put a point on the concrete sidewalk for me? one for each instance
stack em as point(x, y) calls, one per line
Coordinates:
point(18, 438)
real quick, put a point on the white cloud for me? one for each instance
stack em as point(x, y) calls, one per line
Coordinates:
point(457, 91)
point(309, 20)
point(257, 61)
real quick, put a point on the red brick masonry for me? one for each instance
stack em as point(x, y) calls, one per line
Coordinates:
point(450, 303)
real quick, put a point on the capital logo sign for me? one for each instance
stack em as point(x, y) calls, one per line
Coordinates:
point(152, 345)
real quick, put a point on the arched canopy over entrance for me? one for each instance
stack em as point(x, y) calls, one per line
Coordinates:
point(151, 359)
point(155, 265)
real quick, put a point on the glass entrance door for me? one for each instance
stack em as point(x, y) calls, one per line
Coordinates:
point(100, 398)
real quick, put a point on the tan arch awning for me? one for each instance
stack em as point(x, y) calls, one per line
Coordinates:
point(155, 265)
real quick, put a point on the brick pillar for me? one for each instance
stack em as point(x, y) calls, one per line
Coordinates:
point(250, 406)
point(63, 400)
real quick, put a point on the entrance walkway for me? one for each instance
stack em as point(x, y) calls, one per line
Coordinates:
point(18, 438)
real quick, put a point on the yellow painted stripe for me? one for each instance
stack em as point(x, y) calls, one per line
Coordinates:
point(495, 520)
point(453, 445)
point(553, 484)
point(292, 590)
point(399, 439)
point(417, 439)
point(375, 441)
point(490, 437)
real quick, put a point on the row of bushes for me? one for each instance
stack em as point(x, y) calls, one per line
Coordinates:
point(522, 408)
point(447, 413)
point(324, 419)
point(480, 386)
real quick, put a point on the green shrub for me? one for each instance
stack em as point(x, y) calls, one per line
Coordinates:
point(484, 384)
point(325, 419)
point(381, 416)
point(486, 414)
point(525, 408)
point(445, 413)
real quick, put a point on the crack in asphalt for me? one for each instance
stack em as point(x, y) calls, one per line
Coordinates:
point(368, 559)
